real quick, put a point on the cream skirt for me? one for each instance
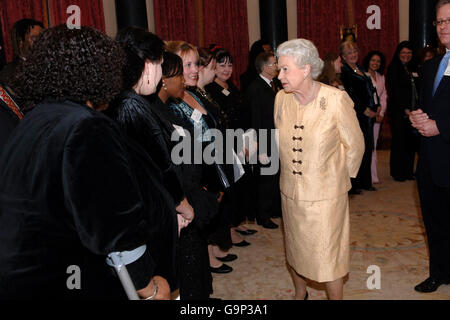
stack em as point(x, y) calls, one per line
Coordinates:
point(317, 237)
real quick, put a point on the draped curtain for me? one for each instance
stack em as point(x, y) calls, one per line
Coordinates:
point(91, 12)
point(11, 11)
point(176, 20)
point(320, 21)
point(226, 24)
point(387, 38)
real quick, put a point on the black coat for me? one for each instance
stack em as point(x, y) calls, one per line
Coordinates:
point(69, 196)
point(401, 93)
point(8, 121)
point(260, 98)
point(435, 151)
point(144, 125)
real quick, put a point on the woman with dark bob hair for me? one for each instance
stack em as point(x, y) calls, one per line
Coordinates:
point(142, 125)
point(402, 84)
point(69, 195)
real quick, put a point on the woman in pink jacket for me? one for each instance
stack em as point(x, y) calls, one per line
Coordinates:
point(374, 63)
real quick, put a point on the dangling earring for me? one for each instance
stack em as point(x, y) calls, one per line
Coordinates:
point(164, 85)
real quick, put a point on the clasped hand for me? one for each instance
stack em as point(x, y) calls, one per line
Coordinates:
point(426, 126)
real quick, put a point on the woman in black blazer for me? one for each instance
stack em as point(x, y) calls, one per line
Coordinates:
point(359, 87)
point(402, 85)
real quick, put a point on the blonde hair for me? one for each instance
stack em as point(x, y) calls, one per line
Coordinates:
point(304, 53)
point(347, 45)
point(181, 48)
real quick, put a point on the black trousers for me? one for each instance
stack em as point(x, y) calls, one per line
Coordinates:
point(268, 199)
point(364, 178)
point(403, 148)
point(435, 203)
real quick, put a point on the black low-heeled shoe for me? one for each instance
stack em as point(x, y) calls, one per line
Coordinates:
point(247, 232)
point(228, 258)
point(429, 285)
point(224, 268)
point(243, 243)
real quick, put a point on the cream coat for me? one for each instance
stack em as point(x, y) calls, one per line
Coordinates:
point(321, 144)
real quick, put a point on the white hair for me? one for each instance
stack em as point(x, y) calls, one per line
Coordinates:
point(304, 53)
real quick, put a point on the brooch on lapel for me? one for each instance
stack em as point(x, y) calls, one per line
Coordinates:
point(323, 103)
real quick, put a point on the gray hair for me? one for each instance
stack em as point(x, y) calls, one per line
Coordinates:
point(304, 53)
point(441, 3)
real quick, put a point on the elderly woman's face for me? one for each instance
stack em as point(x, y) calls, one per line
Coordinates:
point(291, 75)
point(350, 55)
point(224, 70)
point(190, 68)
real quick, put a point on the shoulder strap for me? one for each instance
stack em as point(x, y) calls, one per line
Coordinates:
point(6, 98)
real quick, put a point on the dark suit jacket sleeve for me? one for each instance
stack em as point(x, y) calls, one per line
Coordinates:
point(8, 121)
point(103, 196)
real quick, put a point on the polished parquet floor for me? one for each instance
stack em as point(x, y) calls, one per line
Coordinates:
point(387, 234)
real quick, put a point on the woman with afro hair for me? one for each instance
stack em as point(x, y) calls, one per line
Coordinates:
point(69, 195)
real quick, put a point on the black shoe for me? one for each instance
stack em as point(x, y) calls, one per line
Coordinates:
point(268, 224)
point(355, 191)
point(429, 285)
point(247, 232)
point(411, 178)
point(222, 269)
point(370, 189)
point(399, 179)
point(228, 258)
point(243, 243)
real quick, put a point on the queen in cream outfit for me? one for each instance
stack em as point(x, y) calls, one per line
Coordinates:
point(321, 146)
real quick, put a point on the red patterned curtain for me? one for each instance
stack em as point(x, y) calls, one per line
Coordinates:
point(12, 11)
point(91, 12)
point(176, 20)
point(320, 21)
point(226, 24)
point(386, 39)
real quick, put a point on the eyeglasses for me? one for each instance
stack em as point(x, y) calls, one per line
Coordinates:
point(441, 22)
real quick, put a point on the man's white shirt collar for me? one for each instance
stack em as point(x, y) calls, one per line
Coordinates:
point(266, 80)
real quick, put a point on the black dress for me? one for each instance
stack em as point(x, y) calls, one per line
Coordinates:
point(239, 201)
point(69, 196)
point(402, 93)
point(196, 279)
point(364, 95)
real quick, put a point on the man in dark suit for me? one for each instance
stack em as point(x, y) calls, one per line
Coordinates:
point(433, 171)
point(260, 97)
point(23, 34)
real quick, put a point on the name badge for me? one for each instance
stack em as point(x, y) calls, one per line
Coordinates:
point(180, 130)
point(226, 92)
point(375, 98)
point(196, 115)
point(447, 72)
point(415, 74)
